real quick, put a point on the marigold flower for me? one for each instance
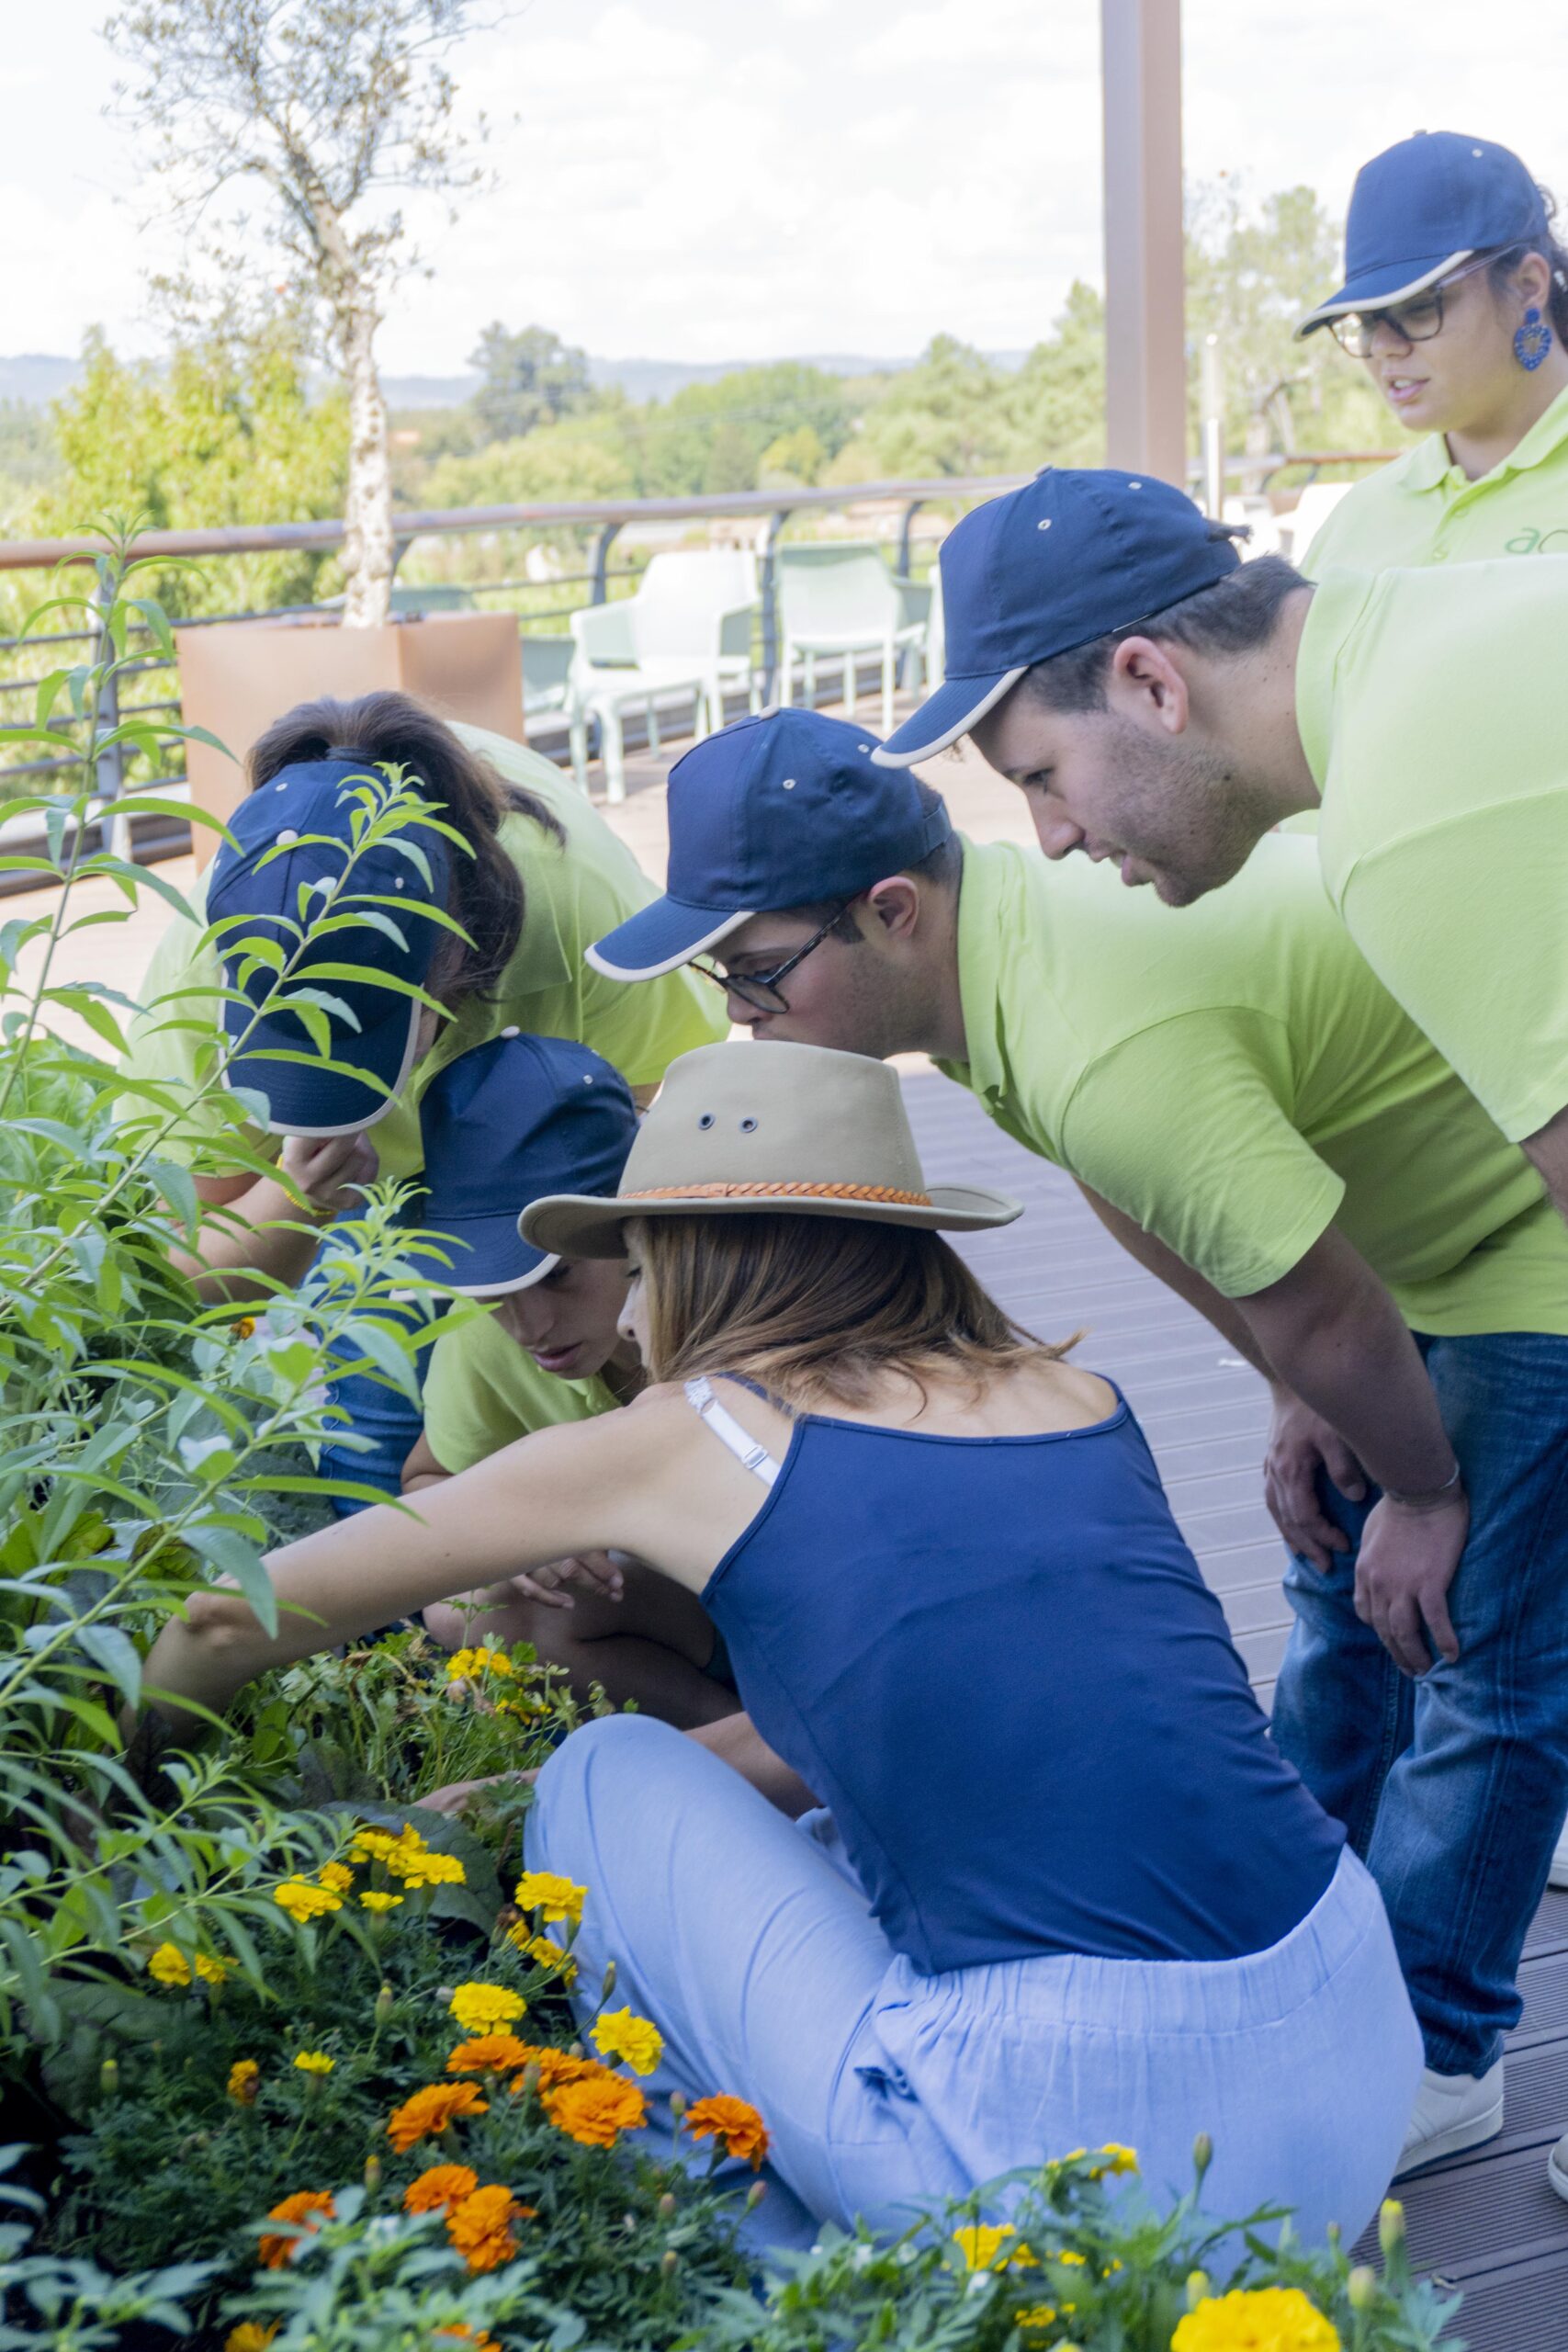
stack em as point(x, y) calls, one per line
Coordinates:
point(981, 2242)
point(213, 1971)
point(549, 1893)
point(371, 1845)
point(250, 2336)
point(170, 1966)
point(733, 2120)
point(481, 1659)
point(555, 2068)
point(596, 2111)
point(486, 2008)
point(547, 1953)
point(374, 1899)
point(1034, 2316)
point(463, 2333)
point(430, 2110)
point(335, 1876)
point(244, 2082)
point(303, 1901)
point(274, 2252)
point(480, 2227)
point(417, 1866)
point(439, 2188)
point(1255, 2319)
point(1121, 2159)
point(314, 2061)
point(635, 2040)
point(489, 2053)
point(245, 1327)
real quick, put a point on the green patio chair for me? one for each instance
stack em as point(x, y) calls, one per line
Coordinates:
point(839, 599)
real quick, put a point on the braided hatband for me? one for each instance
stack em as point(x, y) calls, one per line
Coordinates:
point(782, 1192)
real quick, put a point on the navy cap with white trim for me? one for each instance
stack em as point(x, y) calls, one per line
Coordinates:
point(502, 1126)
point(782, 811)
point(1072, 555)
point(1424, 207)
point(293, 839)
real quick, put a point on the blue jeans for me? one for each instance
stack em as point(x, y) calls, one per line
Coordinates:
point(1454, 1788)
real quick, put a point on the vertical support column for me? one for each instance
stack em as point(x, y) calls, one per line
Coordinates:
point(602, 544)
point(769, 588)
point(1145, 397)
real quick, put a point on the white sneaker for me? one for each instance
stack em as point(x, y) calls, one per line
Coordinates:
point(1557, 2168)
point(1558, 1874)
point(1452, 2113)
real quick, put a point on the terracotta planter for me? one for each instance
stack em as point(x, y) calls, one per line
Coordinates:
point(236, 679)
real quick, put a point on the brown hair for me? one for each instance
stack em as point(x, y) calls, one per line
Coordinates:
point(1236, 614)
point(817, 1306)
point(1502, 265)
point(486, 889)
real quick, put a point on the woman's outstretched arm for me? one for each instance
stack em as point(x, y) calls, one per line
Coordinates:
point(589, 1486)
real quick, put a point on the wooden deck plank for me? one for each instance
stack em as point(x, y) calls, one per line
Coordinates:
point(1488, 2222)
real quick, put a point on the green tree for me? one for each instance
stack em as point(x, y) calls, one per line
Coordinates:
point(558, 461)
point(948, 414)
point(1057, 397)
point(528, 379)
point(712, 436)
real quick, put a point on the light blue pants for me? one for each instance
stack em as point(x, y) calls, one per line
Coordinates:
point(759, 1961)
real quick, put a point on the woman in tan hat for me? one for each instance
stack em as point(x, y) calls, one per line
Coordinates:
point(1072, 1894)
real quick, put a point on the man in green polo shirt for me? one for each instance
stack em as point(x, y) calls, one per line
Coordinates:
point(1251, 1111)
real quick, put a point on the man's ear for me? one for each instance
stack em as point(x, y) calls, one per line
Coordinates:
point(894, 905)
point(1146, 686)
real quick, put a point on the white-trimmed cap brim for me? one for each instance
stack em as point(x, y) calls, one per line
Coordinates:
point(657, 968)
point(1344, 302)
point(948, 716)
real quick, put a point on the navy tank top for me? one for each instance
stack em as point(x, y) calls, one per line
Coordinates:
point(996, 1661)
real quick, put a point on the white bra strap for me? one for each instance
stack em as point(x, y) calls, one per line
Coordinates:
point(728, 1431)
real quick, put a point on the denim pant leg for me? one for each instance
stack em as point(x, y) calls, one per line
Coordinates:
point(1454, 1788)
point(1473, 1808)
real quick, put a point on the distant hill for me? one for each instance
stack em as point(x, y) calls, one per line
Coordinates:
point(35, 377)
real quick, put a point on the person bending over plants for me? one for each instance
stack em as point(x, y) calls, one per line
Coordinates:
point(1101, 1909)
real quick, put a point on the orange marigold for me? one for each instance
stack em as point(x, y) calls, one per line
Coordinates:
point(438, 2190)
point(274, 2252)
point(489, 2053)
point(734, 2122)
point(458, 2330)
point(558, 2066)
point(480, 2227)
point(596, 2112)
point(430, 2111)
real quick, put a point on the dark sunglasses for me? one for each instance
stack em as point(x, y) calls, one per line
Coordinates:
point(760, 989)
point(1416, 320)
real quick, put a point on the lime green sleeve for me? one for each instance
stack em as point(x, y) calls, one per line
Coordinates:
point(1185, 1127)
point(482, 1391)
point(641, 1026)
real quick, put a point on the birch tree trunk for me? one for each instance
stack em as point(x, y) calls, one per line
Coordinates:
point(367, 545)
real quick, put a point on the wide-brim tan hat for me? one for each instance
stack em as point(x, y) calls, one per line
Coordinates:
point(746, 1129)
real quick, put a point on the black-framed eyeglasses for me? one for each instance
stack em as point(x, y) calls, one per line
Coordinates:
point(1416, 320)
point(760, 989)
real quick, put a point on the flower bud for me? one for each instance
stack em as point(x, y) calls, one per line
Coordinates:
point(529, 2083)
point(443, 1995)
point(755, 2195)
point(608, 1986)
point(1390, 2227)
point(372, 2174)
point(667, 2205)
point(1361, 2287)
point(1203, 2156)
point(677, 2104)
point(577, 2051)
point(1197, 2288)
point(383, 2005)
point(670, 2263)
point(108, 2077)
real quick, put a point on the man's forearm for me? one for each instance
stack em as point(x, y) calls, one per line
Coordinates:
point(265, 1232)
point(1548, 1151)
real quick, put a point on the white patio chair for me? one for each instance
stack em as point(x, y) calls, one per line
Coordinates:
point(703, 602)
point(610, 676)
point(1306, 518)
point(839, 600)
point(1254, 510)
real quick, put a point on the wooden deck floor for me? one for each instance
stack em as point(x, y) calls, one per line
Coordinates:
point(1488, 2222)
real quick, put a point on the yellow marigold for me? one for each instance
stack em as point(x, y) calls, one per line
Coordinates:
point(244, 2082)
point(170, 1966)
point(1255, 2319)
point(374, 1899)
point(314, 2061)
point(732, 2121)
point(481, 1659)
point(371, 1845)
point(1074, 2261)
point(303, 1901)
point(555, 2068)
point(596, 2111)
point(213, 1971)
point(1034, 2316)
point(635, 2040)
point(417, 1866)
point(489, 2053)
point(480, 2227)
point(982, 2242)
point(439, 2188)
point(430, 2110)
point(336, 1876)
point(250, 2336)
point(274, 2252)
point(541, 1949)
point(1120, 2159)
point(548, 1892)
point(485, 2009)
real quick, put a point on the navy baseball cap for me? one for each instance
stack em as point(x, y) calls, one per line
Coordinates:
point(1072, 555)
point(292, 839)
point(503, 1126)
point(1423, 207)
point(771, 812)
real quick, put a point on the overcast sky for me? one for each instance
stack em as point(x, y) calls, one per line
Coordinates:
point(715, 179)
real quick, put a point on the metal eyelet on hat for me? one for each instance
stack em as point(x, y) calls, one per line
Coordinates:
point(397, 882)
point(747, 1127)
point(707, 1119)
point(1134, 485)
point(1045, 525)
point(513, 1032)
point(789, 783)
point(288, 834)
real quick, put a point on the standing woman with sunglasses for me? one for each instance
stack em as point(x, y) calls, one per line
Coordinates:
point(1456, 301)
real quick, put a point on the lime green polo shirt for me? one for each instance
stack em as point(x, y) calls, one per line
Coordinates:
point(572, 895)
point(1232, 1077)
point(483, 1391)
point(1423, 509)
point(1430, 710)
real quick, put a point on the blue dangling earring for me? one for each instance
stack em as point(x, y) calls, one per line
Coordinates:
point(1532, 341)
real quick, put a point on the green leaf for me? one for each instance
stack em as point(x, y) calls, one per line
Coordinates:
point(229, 1554)
point(175, 1185)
